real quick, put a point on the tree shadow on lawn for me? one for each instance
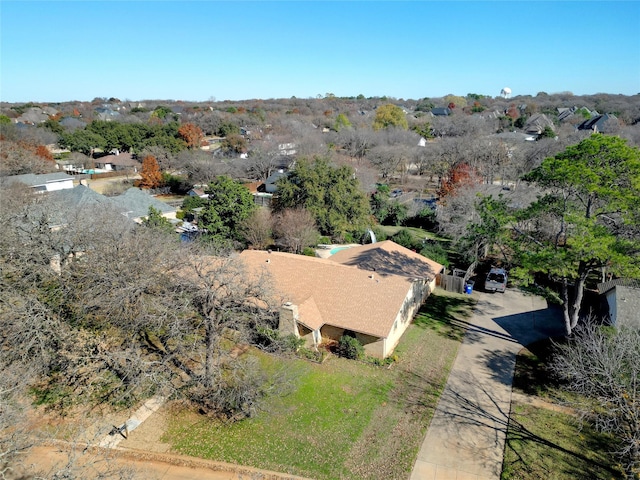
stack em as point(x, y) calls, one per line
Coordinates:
point(529, 449)
point(531, 376)
point(463, 410)
point(444, 315)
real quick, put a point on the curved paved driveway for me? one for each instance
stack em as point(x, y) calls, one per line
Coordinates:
point(466, 438)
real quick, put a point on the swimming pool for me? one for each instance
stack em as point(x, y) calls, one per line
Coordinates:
point(337, 249)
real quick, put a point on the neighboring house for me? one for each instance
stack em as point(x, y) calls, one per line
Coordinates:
point(441, 111)
point(260, 198)
point(270, 184)
point(72, 123)
point(598, 123)
point(515, 137)
point(177, 109)
point(81, 197)
point(287, 149)
point(135, 203)
point(44, 182)
point(71, 166)
point(197, 192)
point(32, 116)
point(623, 301)
point(324, 299)
point(565, 113)
point(78, 199)
point(106, 114)
point(118, 163)
point(536, 124)
point(211, 143)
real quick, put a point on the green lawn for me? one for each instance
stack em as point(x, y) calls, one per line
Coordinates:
point(551, 445)
point(542, 443)
point(418, 233)
point(344, 419)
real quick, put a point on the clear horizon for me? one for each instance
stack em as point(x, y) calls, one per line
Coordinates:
point(197, 51)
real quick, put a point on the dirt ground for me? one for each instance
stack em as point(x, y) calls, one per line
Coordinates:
point(67, 443)
point(101, 184)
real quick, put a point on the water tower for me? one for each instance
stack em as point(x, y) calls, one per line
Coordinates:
point(505, 92)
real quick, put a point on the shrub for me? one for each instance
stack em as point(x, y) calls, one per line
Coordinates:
point(272, 340)
point(348, 238)
point(350, 347)
point(425, 219)
point(309, 252)
point(176, 183)
point(436, 252)
point(313, 355)
point(404, 238)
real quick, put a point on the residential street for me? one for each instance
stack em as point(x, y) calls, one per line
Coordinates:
point(466, 438)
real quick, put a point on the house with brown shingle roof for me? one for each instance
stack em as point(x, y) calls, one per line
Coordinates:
point(324, 299)
point(118, 162)
point(389, 258)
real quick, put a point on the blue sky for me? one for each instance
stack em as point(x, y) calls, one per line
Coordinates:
point(54, 51)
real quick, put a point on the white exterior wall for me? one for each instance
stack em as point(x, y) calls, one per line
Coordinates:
point(413, 301)
point(62, 185)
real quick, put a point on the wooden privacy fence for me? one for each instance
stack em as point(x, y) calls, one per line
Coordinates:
point(457, 281)
point(450, 283)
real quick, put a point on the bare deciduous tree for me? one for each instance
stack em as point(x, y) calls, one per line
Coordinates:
point(603, 367)
point(257, 229)
point(295, 229)
point(18, 158)
point(356, 142)
point(261, 164)
point(201, 167)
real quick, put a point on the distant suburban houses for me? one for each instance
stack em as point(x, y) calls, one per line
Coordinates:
point(537, 123)
point(118, 162)
point(597, 124)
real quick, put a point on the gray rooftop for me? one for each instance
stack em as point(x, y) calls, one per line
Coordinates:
point(35, 179)
point(135, 203)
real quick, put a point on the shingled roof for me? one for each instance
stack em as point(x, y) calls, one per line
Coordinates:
point(82, 196)
point(38, 179)
point(136, 203)
point(327, 292)
point(388, 258)
point(604, 287)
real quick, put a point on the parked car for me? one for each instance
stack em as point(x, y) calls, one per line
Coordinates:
point(496, 280)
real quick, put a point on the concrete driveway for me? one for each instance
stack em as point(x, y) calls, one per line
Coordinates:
point(466, 438)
